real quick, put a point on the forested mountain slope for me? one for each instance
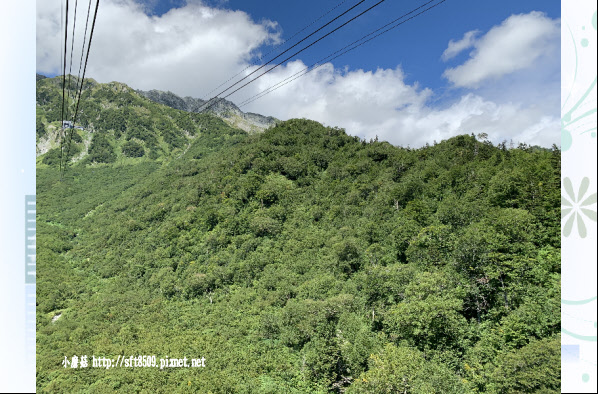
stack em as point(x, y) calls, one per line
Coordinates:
point(297, 260)
point(116, 121)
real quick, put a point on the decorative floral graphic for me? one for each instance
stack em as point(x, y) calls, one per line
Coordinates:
point(577, 118)
point(578, 144)
point(576, 208)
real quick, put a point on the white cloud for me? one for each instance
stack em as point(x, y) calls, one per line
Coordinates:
point(188, 50)
point(514, 45)
point(380, 103)
point(192, 49)
point(456, 47)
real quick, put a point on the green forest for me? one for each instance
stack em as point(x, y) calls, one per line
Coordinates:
point(297, 260)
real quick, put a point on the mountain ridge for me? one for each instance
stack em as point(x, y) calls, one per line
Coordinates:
point(224, 109)
point(227, 110)
point(114, 122)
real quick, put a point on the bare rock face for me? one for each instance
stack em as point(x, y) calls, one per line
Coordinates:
point(229, 112)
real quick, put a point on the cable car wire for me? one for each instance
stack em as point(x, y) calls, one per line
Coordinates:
point(340, 52)
point(296, 53)
point(303, 39)
point(72, 47)
point(83, 77)
point(83, 47)
point(260, 58)
point(66, 24)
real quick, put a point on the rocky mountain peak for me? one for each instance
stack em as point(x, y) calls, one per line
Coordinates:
point(224, 109)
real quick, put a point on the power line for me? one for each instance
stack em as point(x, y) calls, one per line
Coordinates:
point(342, 51)
point(64, 79)
point(296, 53)
point(254, 63)
point(72, 45)
point(305, 28)
point(61, 26)
point(83, 77)
point(69, 90)
point(303, 39)
point(84, 37)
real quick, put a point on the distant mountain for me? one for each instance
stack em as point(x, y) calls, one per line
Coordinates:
point(115, 122)
point(224, 109)
point(39, 76)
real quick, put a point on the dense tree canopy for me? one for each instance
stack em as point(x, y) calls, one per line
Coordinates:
point(298, 260)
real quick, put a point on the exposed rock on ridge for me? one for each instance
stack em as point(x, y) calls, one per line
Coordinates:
point(224, 109)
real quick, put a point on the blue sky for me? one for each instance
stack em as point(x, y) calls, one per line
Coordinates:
point(416, 45)
point(462, 67)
